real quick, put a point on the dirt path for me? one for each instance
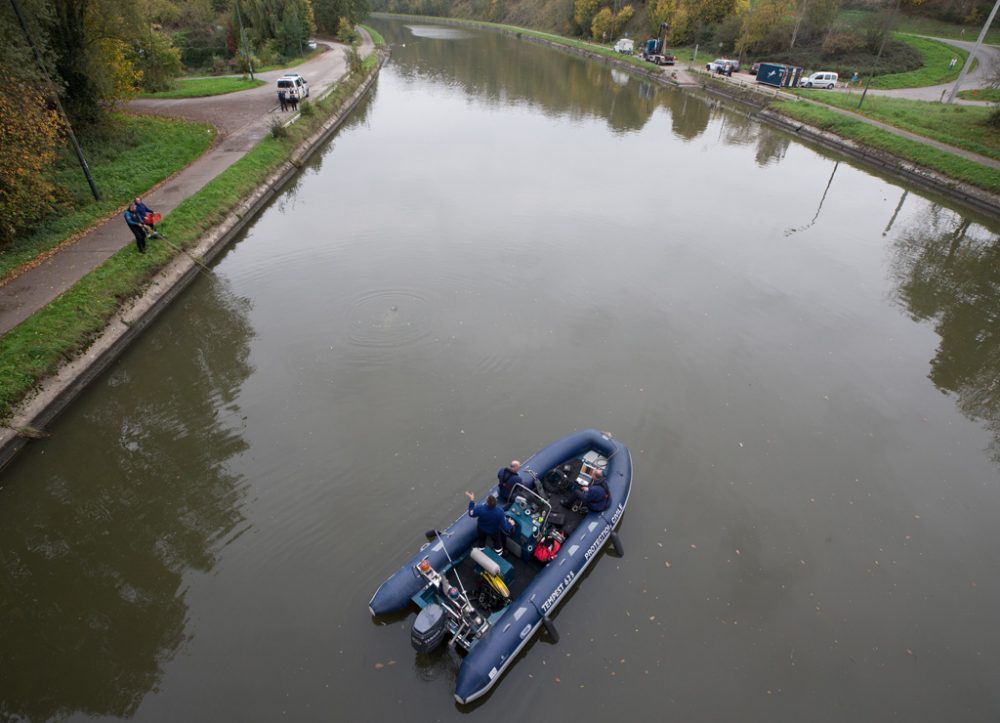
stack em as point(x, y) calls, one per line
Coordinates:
point(242, 119)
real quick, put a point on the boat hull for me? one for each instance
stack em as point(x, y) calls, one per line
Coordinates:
point(490, 656)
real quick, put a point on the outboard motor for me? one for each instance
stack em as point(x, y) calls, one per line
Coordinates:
point(429, 628)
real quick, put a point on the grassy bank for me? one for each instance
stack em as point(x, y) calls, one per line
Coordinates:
point(131, 156)
point(961, 126)
point(925, 26)
point(935, 71)
point(64, 328)
point(988, 94)
point(204, 87)
point(866, 134)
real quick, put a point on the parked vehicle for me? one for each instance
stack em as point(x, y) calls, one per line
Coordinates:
point(625, 46)
point(652, 52)
point(778, 75)
point(721, 65)
point(753, 69)
point(824, 79)
point(293, 82)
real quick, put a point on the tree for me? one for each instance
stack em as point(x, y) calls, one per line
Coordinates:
point(329, 12)
point(30, 132)
point(92, 43)
point(659, 12)
point(600, 26)
point(583, 13)
point(157, 60)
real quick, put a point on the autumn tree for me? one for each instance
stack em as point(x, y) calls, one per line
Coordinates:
point(329, 12)
point(600, 26)
point(584, 12)
point(30, 132)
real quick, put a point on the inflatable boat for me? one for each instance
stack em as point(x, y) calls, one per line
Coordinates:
point(489, 605)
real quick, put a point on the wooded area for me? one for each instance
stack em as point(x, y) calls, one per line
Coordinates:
point(94, 54)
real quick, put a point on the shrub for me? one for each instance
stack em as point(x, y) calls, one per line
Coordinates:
point(278, 129)
point(306, 108)
point(841, 44)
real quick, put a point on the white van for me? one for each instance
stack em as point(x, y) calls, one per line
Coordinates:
point(625, 46)
point(294, 83)
point(820, 80)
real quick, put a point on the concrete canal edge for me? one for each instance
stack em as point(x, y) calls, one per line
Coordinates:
point(59, 390)
point(755, 98)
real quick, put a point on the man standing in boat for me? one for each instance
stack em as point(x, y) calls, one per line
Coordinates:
point(508, 477)
point(492, 522)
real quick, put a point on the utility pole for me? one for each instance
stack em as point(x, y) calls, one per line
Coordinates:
point(243, 39)
point(979, 42)
point(885, 39)
point(55, 98)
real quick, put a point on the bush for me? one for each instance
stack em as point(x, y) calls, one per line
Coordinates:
point(278, 129)
point(841, 44)
point(993, 120)
point(306, 108)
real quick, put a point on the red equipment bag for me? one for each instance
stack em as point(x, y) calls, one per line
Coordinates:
point(152, 218)
point(547, 548)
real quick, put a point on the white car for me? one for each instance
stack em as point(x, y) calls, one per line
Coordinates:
point(824, 79)
point(625, 46)
point(720, 65)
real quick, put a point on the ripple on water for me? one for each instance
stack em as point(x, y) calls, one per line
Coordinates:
point(388, 320)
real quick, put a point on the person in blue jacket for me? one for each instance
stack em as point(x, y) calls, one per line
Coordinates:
point(492, 522)
point(508, 477)
point(596, 496)
point(134, 222)
point(143, 212)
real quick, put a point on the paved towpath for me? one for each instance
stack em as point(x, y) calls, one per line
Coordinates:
point(242, 119)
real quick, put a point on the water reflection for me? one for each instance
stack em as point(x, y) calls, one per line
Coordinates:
point(948, 271)
point(92, 602)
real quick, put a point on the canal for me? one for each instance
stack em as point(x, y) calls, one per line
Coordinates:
point(504, 244)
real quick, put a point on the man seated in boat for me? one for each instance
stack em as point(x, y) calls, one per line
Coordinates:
point(492, 522)
point(508, 477)
point(596, 496)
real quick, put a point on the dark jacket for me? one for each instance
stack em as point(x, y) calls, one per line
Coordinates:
point(597, 497)
point(490, 519)
point(131, 218)
point(508, 478)
point(142, 210)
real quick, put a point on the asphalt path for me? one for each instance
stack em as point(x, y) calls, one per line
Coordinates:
point(242, 118)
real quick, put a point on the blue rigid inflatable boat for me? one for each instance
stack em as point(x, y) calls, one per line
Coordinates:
point(492, 605)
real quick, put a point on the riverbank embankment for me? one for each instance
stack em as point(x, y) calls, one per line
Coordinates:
point(759, 99)
point(209, 236)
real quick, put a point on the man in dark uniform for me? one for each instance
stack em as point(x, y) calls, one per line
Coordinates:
point(492, 522)
point(135, 226)
point(596, 496)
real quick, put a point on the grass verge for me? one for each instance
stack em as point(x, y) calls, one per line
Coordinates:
point(961, 126)
point(925, 26)
point(935, 71)
point(132, 156)
point(988, 94)
point(65, 327)
point(936, 160)
point(204, 87)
